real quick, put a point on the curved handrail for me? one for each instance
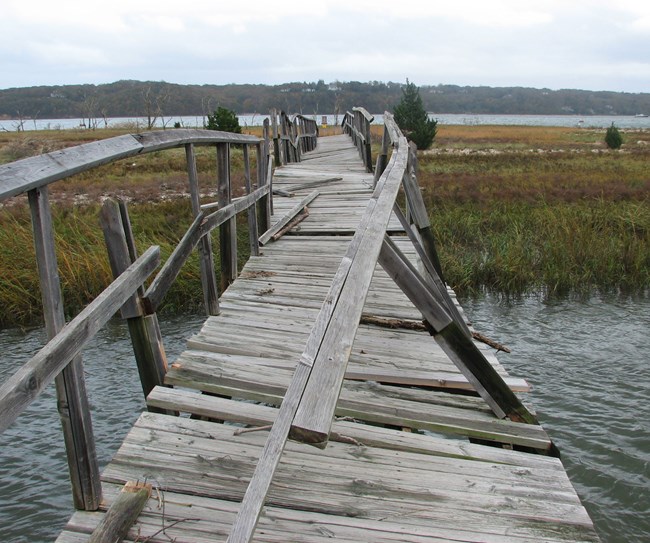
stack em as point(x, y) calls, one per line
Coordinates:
point(59, 359)
point(30, 173)
point(357, 125)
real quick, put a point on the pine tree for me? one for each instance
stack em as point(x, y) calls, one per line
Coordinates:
point(413, 119)
point(613, 137)
point(223, 119)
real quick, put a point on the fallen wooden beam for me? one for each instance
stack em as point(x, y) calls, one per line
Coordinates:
point(284, 221)
point(118, 520)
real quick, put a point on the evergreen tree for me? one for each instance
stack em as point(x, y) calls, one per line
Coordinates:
point(223, 119)
point(413, 119)
point(613, 137)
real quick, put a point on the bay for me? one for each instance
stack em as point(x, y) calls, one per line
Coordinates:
point(257, 119)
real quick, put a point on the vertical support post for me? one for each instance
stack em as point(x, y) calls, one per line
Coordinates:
point(367, 156)
point(265, 204)
point(253, 234)
point(72, 400)
point(276, 139)
point(206, 259)
point(143, 329)
point(382, 159)
point(267, 161)
point(228, 230)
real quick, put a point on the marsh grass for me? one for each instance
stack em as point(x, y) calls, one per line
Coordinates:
point(514, 210)
point(569, 219)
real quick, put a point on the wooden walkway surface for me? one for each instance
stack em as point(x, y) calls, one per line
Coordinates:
point(376, 482)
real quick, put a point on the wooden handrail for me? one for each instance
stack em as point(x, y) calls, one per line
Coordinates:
point(33, 175)
point(29, 173)
point(24, 386)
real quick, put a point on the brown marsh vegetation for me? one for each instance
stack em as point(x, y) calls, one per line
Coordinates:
point(514, 210)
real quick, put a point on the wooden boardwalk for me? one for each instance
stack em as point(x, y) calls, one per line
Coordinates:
point(406, 460)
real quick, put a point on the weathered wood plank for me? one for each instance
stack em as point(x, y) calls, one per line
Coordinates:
point(123, 512)
point(453, 340)
point(288, 217)
point(206, 258)
point(314, 415)
point(72, 399)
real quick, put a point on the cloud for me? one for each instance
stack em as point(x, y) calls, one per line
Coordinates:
point(547, 43)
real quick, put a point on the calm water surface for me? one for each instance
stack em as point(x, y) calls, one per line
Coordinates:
point(35, 498)
point(590, 368)
point(588, 363)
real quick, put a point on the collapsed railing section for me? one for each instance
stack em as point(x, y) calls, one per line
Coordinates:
point(356, 124)
point(292, 138)
point(307, 409)
point(60, 360)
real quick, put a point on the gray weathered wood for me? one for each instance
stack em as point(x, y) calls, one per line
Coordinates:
point(314, 416)
point(288, 217)
point(206, 258)
point(119, 255)
point(17, 392)
point(144, 330)
point(253, 234)
point(72, 399)
point(20, 176)
point(436, 282)
point(201, 227)
point(253, 501)
point(449, 335)
point(122, 513)
point(228, 230)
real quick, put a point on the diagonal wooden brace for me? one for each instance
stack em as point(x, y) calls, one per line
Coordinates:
point(451, 338)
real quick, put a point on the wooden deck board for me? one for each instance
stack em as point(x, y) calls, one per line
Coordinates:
point(375, 481)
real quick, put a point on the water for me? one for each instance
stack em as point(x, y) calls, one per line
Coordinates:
point(197, 121)
point(35, 497)
point(588, 363)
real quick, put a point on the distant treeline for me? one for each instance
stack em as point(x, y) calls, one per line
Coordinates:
point(137, 98)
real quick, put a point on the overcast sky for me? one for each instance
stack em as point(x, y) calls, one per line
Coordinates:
point(585, 44)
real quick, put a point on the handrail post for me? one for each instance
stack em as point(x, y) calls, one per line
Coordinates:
point(144, 329)
point(253, 233)
point(266, 161)
point(206, 259)
point(265, 202)
point(72, 400)
point(276, 139)
point(228, 230)
point(382, 158)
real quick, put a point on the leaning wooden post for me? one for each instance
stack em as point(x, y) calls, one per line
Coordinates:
point(253, 234)
point(72, 400)
point(417, 208)
point(206, 259)
point(144, 329)
point(367, 157)
point(228, 230)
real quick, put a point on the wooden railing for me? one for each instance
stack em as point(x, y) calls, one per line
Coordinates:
point(59, 360)
point(356, 124)
point(291, 138)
